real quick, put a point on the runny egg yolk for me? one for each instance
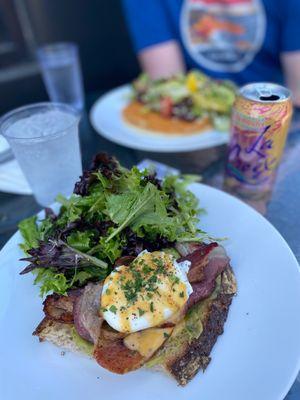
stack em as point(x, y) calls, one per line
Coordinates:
point(145, 294)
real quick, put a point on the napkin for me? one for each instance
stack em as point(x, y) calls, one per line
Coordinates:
point(161, 169)
point(12, 179)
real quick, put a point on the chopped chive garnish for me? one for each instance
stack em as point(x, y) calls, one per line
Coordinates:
point(141, 312)
point(113, 309)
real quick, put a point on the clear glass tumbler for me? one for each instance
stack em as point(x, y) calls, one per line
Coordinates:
point(44, 139)
point(60, 67)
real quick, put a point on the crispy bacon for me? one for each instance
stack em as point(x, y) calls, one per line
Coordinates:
point(60, 308)
point(207, 262)
point(184, 249)
point(124, 260)
point(199, 260)
point(201, 290)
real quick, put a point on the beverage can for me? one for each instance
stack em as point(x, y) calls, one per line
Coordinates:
point(260, 121)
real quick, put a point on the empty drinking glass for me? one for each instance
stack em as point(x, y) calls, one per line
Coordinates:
point(44, 139)
point(60, 67)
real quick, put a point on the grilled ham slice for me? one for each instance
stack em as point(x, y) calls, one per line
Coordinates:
point(121, 354)
point(112, 354)
point(87, 320)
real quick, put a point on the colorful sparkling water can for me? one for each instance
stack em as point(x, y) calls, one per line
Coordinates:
point(260, 121)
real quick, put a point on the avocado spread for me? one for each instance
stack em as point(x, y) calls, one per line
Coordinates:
point(85, 346)
point(186, 331)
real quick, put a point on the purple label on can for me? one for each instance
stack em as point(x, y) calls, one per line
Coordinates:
point(251, 157)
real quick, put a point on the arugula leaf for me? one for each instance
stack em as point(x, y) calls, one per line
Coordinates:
point(124, 209)
point(70, 210)
point(80, 240)
point(187, 208)
point(46, 228)
point(82, 277)
point(50, 281)
point(29, 230)
point(111, 249)
point(87, 258)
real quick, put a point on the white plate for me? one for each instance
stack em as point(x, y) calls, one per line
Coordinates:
point(5, 151)
point(106, 118)
point(257, 357)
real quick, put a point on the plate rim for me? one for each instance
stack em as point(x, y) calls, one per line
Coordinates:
point(144, 147)
point(296, 265)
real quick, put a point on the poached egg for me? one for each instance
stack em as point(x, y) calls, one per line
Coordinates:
point(145, 294)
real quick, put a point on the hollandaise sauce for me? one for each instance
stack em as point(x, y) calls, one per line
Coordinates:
point(146, 293)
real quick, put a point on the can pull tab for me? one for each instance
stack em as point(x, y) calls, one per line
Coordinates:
point(266, 95)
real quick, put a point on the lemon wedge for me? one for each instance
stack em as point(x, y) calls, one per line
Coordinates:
point(191, 82)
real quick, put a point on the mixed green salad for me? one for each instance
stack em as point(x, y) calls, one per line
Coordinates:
point(114, 212)
point(187, 97)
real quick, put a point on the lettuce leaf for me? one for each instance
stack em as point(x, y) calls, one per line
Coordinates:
point(113, 212)
point(80, 240)
point(125, 209)
point(30, 232)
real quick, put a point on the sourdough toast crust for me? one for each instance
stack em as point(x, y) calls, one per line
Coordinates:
point(197, 355)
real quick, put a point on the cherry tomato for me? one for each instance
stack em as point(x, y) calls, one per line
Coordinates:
point(166, 105)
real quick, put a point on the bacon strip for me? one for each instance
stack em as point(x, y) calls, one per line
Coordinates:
point(125, 260)
point(207, 262)
point(60, 308)
point(199, 260)
point(184, 249)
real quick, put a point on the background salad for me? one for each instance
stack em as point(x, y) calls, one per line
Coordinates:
point(187, 97)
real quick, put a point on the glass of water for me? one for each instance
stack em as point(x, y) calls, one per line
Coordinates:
point(44, 139)
point(60, 67)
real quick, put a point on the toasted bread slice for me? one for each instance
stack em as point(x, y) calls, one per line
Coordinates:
point(195, 355)
point(58, 333)
point(189, 357)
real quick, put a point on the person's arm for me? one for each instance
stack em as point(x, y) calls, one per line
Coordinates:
point(291, 66)
point(152, 35)
point(162, 60)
